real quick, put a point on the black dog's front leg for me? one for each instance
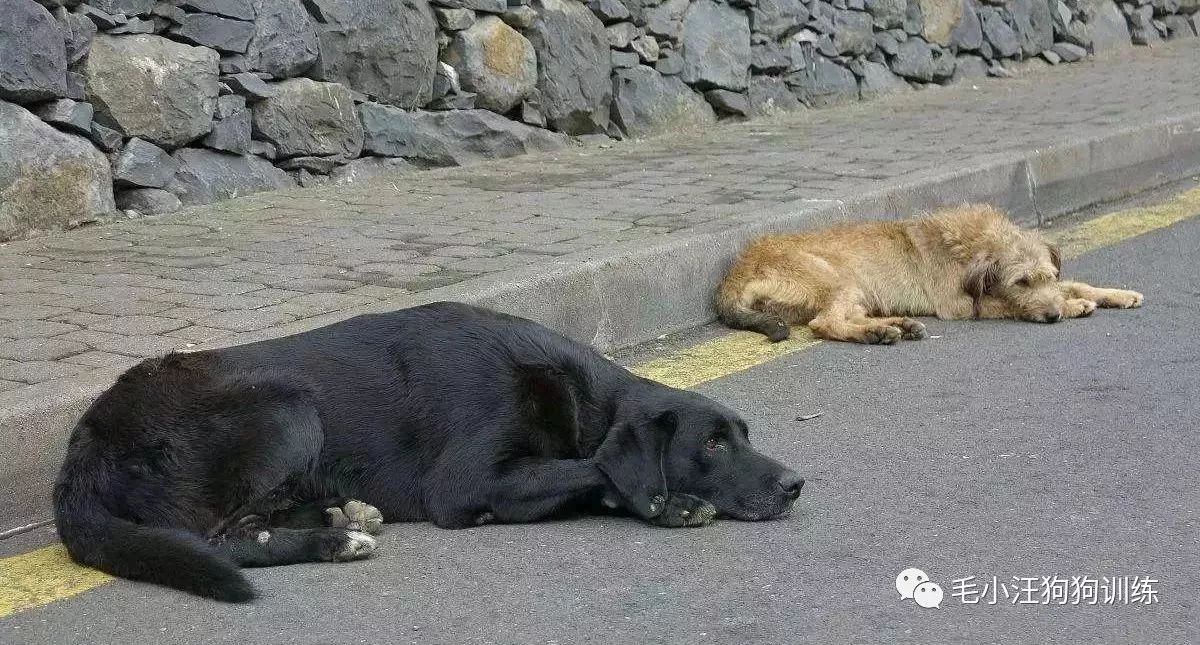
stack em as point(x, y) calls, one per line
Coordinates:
point(681, 509)
point(532, 489)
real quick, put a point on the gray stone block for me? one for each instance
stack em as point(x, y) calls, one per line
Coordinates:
point(774, 18)
point(485, 6)
point(715, 45)
point(852, 34)
point(355, 35)
point(495, 62)
point(967, 34)
point(73, 179)
point(309, 118)
point(887, 14)
point(877, 80)
point(449, 138)
point(143, 164)
point(125, 7)
point(222, 34)
point(77, 30)
point(239, 9)
point(454, 19)
point(105, 138)
point(521, 17)
point(769, 95)
point(623, 60)
point(152, 88)
point(646, 102)
point(573, 66)
point(33, 55)
point(70, 115)
point(148, 201)
point(231, 131)
point(647, 48)
point(1068, 52)
point(824, 83)
point(206, 176)
point(285, 40)
point(609, 10)
point(914, 60)
point(249, 86)
point(999, 34)
point(728, 103)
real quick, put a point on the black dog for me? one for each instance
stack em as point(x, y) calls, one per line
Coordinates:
point(194, 464)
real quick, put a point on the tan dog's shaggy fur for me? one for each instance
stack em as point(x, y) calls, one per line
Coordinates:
point(860, 282)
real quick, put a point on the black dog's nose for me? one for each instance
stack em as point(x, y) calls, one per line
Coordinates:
point(791, 483)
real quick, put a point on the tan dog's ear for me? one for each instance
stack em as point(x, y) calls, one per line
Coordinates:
point(1055, 255)
point(980, 277)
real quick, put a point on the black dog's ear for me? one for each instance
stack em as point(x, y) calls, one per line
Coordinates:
point(631, 456)
point(980, 277)
point(1055, 255)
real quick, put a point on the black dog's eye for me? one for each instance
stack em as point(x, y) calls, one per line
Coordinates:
point(713, 443)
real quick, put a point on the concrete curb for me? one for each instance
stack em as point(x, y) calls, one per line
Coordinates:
point(634, 292)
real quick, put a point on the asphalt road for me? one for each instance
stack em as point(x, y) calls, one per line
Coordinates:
point(993, 449)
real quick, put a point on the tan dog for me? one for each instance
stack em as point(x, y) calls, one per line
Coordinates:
point(860, 282)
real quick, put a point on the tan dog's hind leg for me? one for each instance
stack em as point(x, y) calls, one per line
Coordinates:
point(1108, 298)
point(846, 319)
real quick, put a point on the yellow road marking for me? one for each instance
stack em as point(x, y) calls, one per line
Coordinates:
point(43, 576)
point(731, 353)
point(46, 575)
point(1110, 229)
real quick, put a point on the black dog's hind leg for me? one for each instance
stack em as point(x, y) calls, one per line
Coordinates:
point(252, 543)
point(337, 512)
point(271, 450)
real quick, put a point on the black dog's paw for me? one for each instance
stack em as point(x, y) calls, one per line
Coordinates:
point(356, 516)
point(343, 546)
point(681, 509)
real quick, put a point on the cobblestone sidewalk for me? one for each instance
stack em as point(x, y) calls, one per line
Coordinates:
point(104, 296)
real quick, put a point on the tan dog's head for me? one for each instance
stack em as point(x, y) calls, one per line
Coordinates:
point(1022, 269)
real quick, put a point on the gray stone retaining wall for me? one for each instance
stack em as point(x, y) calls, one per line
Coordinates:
point(145, 105)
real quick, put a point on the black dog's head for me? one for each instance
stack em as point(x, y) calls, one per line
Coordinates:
point(667, 441)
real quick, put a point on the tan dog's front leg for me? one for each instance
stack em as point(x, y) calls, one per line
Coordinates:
point(1108, 298)
point(1077, 308)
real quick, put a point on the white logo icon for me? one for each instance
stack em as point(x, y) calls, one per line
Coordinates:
point(914, 584)
point(928, 595)
point(908, 580)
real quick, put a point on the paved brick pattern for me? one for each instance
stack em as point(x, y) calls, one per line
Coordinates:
point(104, 296)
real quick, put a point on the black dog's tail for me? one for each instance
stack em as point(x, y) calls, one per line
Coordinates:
point(734, 313)
point(169, 557)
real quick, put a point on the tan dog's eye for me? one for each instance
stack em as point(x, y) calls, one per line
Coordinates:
point(1023, 282)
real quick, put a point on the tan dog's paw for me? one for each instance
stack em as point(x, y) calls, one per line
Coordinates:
point(882, 335)
point(913, 329)
point(1121, 299)
point(1078, 308)
point(356, 516)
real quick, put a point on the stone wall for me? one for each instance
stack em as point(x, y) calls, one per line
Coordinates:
point(146, 105)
